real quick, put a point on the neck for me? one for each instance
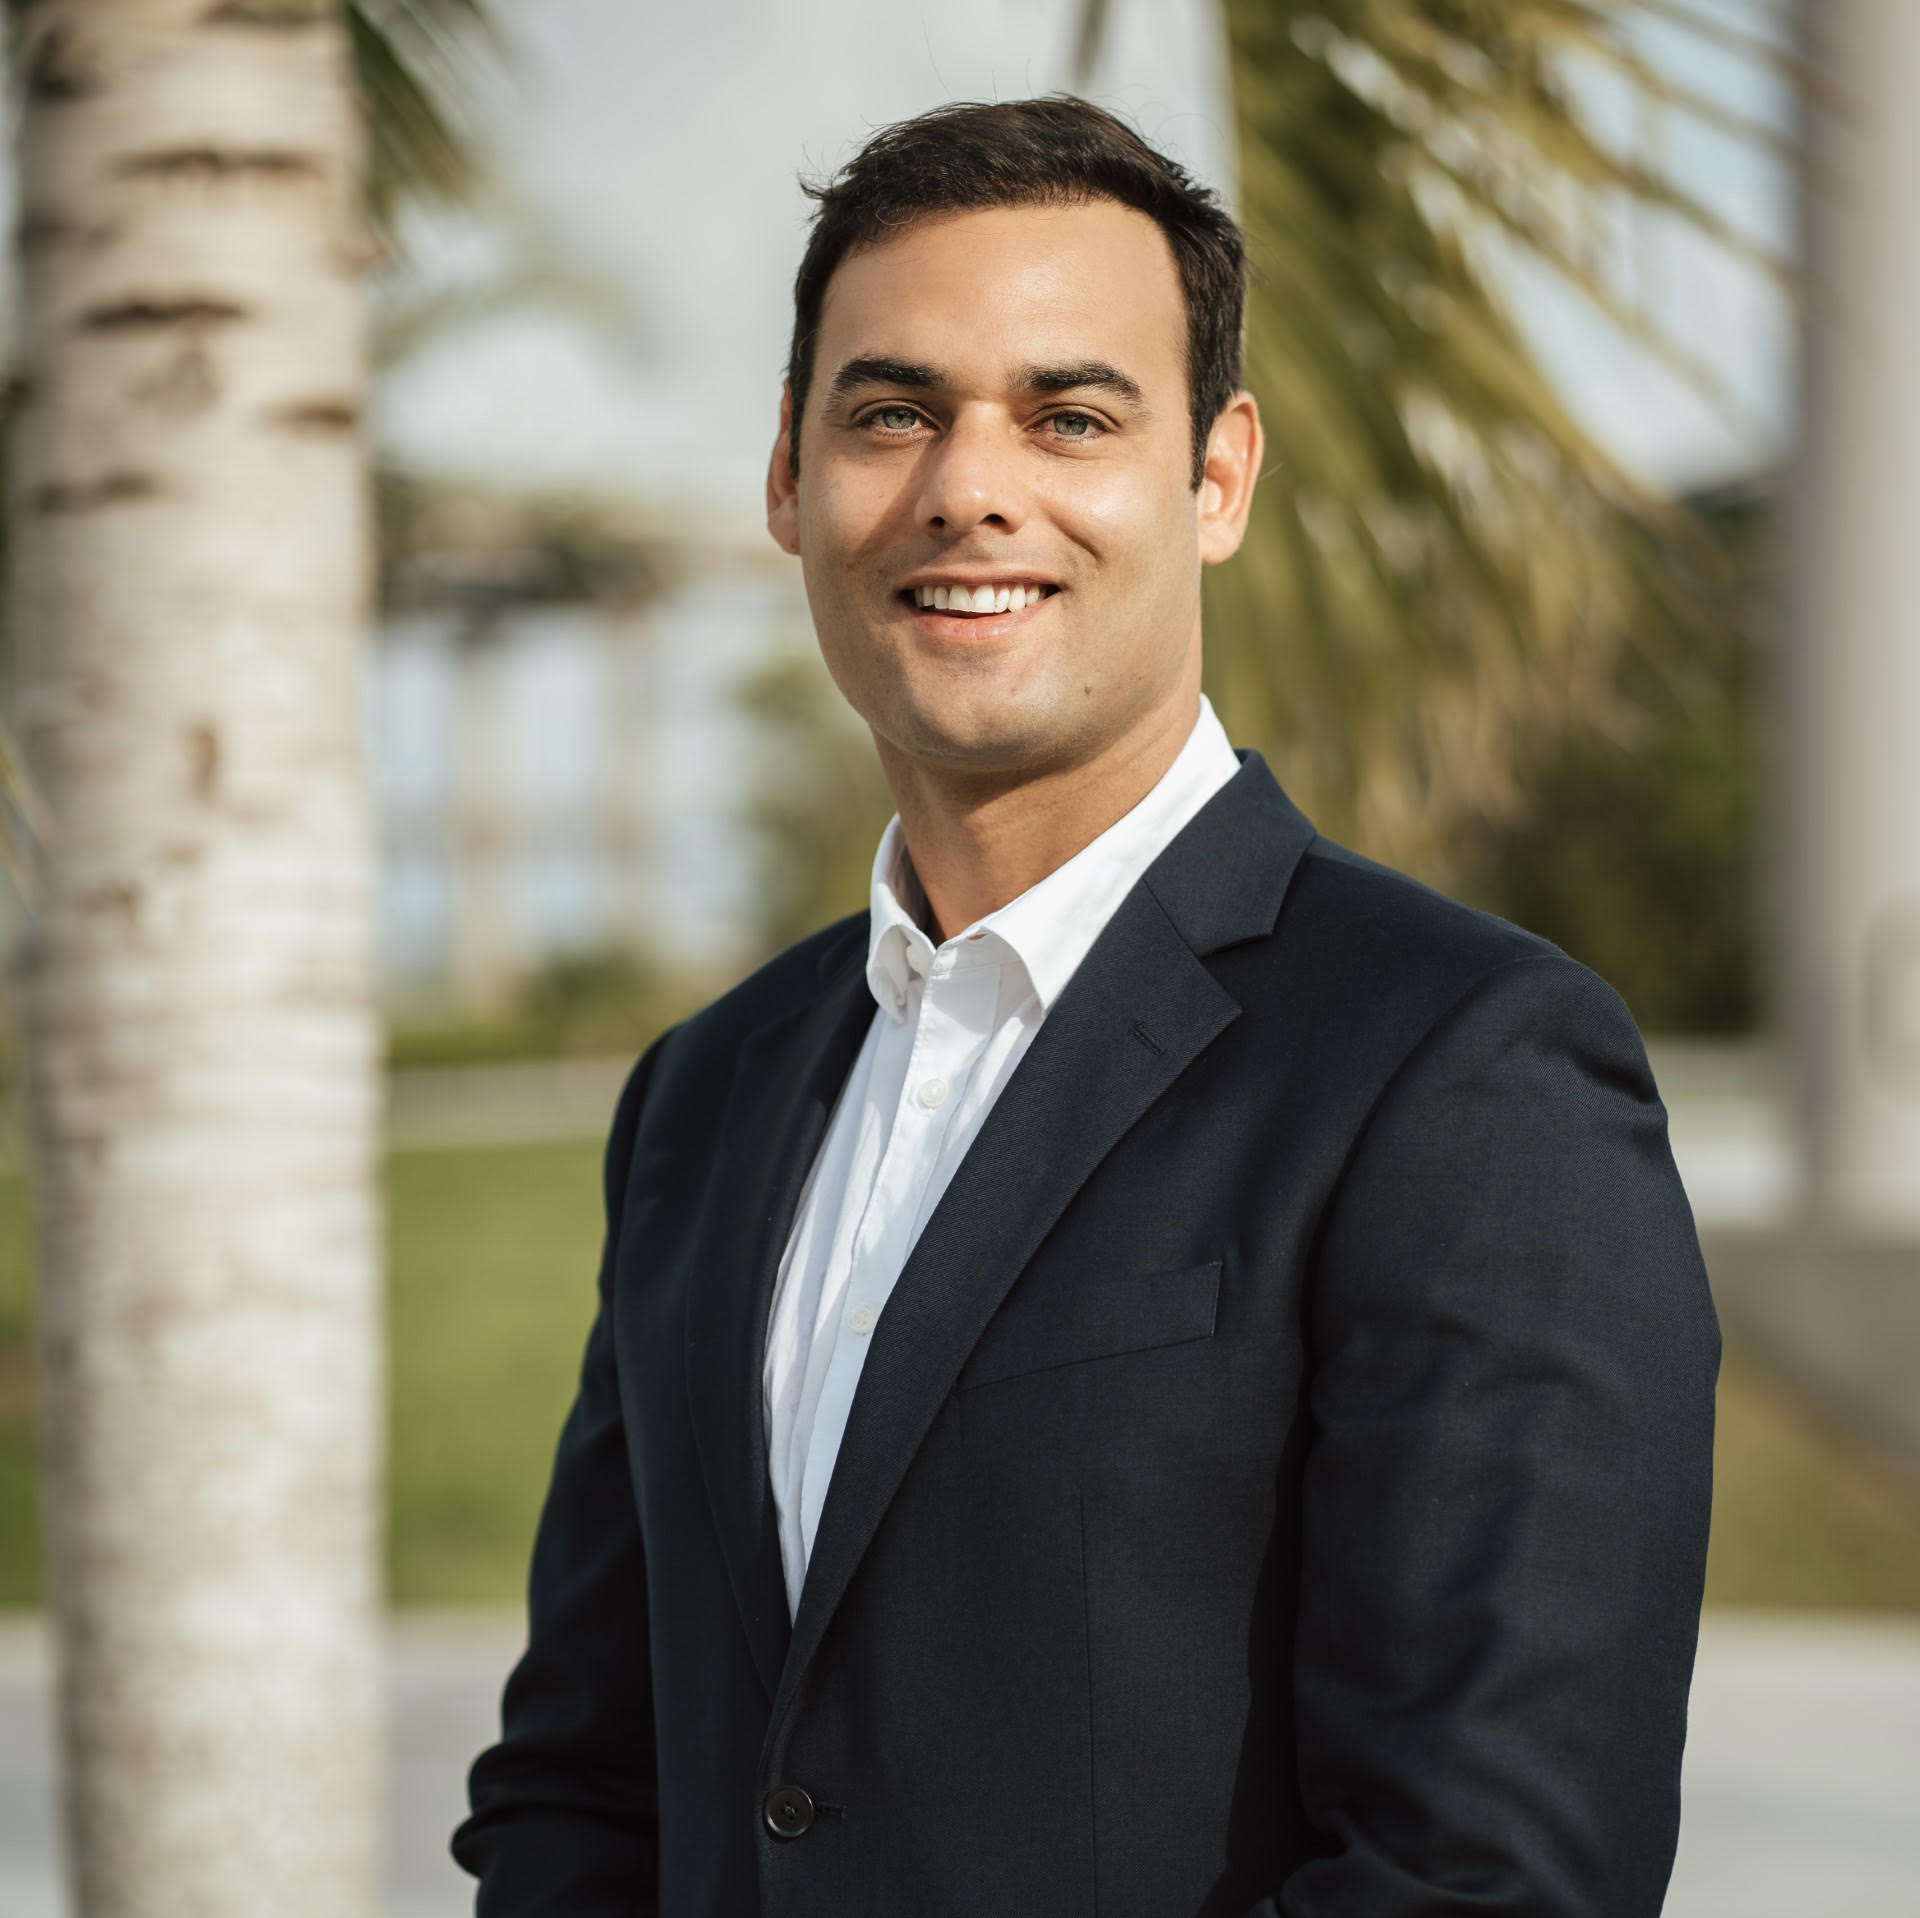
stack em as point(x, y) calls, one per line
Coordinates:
point(978, 841)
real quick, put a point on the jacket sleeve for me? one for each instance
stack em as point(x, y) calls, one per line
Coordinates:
point(565, 1807)
point(1508, 1477)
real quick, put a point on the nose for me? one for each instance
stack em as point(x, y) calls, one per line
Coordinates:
point(972, 476)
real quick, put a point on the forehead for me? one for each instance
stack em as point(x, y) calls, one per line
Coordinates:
point(980, 292)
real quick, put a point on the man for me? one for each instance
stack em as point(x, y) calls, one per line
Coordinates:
point(1165, 1371)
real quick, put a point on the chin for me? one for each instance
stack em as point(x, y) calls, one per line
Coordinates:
point(1007, 735)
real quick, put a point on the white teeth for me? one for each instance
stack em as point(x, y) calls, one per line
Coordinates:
point(978, 599)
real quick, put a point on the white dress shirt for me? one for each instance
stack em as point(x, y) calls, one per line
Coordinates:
point(951, 1023)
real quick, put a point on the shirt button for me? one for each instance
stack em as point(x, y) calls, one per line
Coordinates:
point(862, 1319)
point(916, 959)
point(932, 1093)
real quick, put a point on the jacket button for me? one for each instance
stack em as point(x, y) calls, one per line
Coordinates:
point(788, 1811)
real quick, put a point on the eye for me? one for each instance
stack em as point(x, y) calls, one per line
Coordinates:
point(895, 419)
point(1073, 426)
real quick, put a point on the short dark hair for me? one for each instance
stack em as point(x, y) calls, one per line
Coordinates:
point(1057, 151)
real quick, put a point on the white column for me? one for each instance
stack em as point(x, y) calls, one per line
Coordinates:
point(629, 835)
point(1852, 905)
point(488, 946)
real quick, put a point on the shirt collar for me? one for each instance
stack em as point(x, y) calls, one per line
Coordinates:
point(897, 949)
point(1051, 926)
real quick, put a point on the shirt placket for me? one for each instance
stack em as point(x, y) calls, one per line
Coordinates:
point(951, 1029)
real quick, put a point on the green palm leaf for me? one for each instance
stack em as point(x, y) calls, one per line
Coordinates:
point(416, 65)
point(1443, 566)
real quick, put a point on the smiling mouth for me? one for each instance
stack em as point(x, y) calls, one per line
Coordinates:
point(977, 602)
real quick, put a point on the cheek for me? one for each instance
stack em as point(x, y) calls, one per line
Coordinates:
point(1129, 520)
point(843, 560)
point(848, 513)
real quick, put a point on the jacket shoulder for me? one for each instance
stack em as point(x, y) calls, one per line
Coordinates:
point(788, 980)
point(1360, 901)
point(696, 1056)
point(1405, 956)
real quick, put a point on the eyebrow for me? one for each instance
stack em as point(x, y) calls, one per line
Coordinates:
point(880, 369)
point(1094, 374)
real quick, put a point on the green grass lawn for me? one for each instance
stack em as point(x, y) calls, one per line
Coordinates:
point(493, 1255)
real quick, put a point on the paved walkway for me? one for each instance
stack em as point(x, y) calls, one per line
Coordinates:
point(1802, 1781)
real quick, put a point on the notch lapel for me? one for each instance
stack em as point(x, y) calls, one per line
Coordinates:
point(784, 1087)
point(1140, 1009)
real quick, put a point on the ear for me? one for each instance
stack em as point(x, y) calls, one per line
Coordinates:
point(1234, 447)
point(783, 494)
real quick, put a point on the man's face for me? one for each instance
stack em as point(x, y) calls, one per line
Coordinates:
point(998, 417)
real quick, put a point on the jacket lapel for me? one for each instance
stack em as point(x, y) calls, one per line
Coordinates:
point(784, 1087)
point(1139, 1010)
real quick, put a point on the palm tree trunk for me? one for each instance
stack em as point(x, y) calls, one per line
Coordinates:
point(189, 541)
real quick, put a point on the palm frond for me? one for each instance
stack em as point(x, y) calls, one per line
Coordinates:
point(1443, 565)
point(417, 62)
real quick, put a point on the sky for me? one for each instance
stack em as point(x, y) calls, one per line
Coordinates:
point(657, 148)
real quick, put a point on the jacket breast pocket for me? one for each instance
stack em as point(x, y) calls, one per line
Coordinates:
point(1100, 1318)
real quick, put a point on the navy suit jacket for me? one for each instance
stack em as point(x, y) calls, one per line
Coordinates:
point(1278, 1483)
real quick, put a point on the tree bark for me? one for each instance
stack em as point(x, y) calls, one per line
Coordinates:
point(189, 538)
